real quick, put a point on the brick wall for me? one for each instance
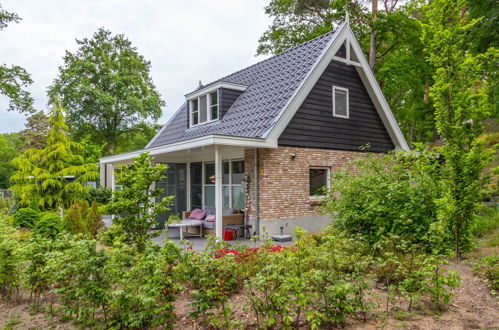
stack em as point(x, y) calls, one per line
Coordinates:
point(284, 183)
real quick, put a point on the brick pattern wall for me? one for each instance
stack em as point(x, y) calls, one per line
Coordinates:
point(284, 183)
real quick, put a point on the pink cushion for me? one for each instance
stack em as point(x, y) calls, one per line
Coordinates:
point(197, 214)
point(210, 218)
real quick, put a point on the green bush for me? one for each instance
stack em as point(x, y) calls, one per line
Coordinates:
point(100, 195)
point(488, 267)
point(25, 218)
point(10, 262)
point(75, 219)
point(49, 225)
point(486, 221)
point(387, 195)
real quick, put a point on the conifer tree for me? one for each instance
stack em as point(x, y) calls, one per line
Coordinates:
point(53, 177)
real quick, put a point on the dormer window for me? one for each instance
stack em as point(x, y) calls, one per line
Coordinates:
point(205, 105)
point(204, 109)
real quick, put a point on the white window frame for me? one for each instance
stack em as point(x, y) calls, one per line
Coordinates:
point(208, 109)
point(210, 105)
point(328, 183)
point(334, 102)
point(192, 112)
point(230, 185)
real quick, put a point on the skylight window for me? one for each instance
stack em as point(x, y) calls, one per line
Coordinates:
point(204, 108)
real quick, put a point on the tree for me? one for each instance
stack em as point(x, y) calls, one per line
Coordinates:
point(9, 149)
point(35, 134)
point(53, 177)
point(107, 86)
point(135, 206)
point(461, 101)
point(14, 79)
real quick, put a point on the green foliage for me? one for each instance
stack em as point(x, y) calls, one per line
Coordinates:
point(9, 149)
point(94, 220)
point(75, 221)
point(488, 267)
point(26, 218)
point(49, 226)
point(80, 279)
point(393, 194)
point(212, 281)
point(10, 262)
point(35, 134)
point(485, 222)
point(461, 101)
point(404, 269)
point(14, 79)
point(101, 195)
point(106, 72)
point(147, 289)
point(136, 206)
point(42, 174)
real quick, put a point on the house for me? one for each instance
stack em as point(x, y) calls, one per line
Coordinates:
point(265, 139)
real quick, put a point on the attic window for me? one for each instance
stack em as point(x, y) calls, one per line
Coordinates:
point(340, 102)
point(204, 108)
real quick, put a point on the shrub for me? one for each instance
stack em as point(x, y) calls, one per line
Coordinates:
point(136, 207)
point(25, 218)
point(94, 220)
point(486, 221)
point(36, 275)
point(10, 262)
point(146, 290)
point(100, 195)
point(49, 225)
point(386, 195)
point(75, 221)
point(488, 267)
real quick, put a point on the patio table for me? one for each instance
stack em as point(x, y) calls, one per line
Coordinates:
point(186, 224)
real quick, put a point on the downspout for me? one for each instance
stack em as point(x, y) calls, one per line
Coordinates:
point(257, 197)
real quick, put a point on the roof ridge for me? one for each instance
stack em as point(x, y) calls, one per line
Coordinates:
point(272, 57)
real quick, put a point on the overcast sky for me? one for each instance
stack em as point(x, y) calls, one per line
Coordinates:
point(186, 41)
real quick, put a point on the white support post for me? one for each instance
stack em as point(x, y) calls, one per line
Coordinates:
point(218, 191)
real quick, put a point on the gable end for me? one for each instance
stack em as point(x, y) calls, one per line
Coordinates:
point(314, 126)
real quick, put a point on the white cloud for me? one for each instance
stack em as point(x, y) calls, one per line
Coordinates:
point(186, 41)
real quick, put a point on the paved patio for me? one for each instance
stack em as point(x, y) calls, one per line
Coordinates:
point(198, 243)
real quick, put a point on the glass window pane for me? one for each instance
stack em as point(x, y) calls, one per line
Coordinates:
point(209, 173)
point(203, 117)
point(340, 102)
point(209, 196)
point(214, 98)
point(318, 181)
point(238, 197)
point(225, 193)
point(214, 112)
point(237, 171)
point(225, 171)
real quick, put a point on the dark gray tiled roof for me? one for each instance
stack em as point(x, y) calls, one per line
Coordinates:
point(271, 83)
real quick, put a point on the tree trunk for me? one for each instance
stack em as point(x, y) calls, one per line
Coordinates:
point(110, 148)
point(372, 46)
point(411, 133)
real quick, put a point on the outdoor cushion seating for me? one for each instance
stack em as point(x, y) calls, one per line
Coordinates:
point(229, 217)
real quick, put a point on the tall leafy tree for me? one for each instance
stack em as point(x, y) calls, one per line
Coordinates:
point(14, 79)
point(35, 134)
point(461, 100)
point(54, 176)
point(107, 86)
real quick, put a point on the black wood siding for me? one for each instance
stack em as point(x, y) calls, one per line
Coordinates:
point(314, 126)
point(227, 99)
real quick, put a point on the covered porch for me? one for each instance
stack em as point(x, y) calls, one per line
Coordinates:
point(210, 177)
